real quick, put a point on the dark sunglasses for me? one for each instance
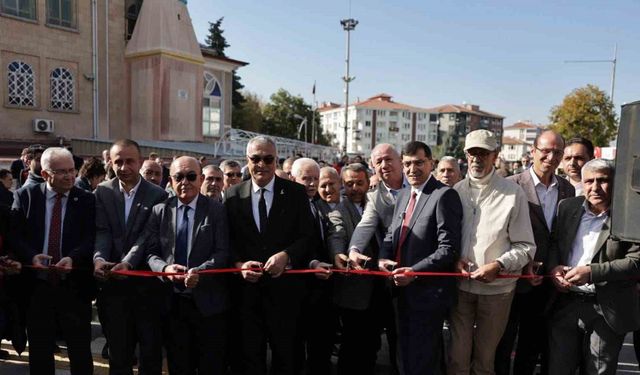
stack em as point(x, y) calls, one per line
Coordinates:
point(191, 176)
point(235, 174)
point(269, 159)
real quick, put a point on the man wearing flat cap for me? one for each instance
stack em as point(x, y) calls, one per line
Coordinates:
point(496, 239)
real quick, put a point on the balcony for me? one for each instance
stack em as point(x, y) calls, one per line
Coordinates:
point(394, 129)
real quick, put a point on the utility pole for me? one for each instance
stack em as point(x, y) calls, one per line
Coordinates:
point(348, 25)
point(613, 61)
point(314, 107)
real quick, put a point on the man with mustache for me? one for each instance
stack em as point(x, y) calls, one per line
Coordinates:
point(213, 182)
point(577, 153)
point(496, 238)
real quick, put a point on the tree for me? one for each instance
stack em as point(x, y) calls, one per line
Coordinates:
point(279, 119)
point(588, 112)
point(249, 114)
point(217, 42)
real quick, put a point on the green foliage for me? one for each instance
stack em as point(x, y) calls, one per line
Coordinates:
point(587, 112)
point(248, 116)
point(216, 40)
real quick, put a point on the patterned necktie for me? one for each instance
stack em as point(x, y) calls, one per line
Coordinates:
point(55, 226)
point(182, 238)
point(405, 225)
point(262, 209)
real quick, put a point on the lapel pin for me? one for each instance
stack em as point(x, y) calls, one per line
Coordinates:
point(75, 199)
point(282, 192)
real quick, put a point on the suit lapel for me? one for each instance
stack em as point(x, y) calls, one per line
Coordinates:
point(401, 202)
point(422, 202)
point(39, 202)
point(119, 203)
point(198, 219)
point(69, 219)
point(276, 206)
point(602, 238)
point(529, 188)
point(245, 203)
point(171, 224)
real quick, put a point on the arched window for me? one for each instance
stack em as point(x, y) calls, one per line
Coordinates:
point(61, 89)
point(21, 84)
point(211, 106)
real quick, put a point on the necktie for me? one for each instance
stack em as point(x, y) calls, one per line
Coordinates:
point(55, 226)
point(404, 231)
point(262, 209)
point(182, 238)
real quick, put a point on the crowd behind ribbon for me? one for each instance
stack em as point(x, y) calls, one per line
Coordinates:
point(507, 260)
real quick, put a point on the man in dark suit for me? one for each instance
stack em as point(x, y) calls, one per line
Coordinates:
point(129, 308)
point(186, 234)
point(54, 224)
point(317, 328)
point(424, 237)
point(595, 275)
point(544, 190)
point(18, 165)
point(270, 230)
point(359, 337)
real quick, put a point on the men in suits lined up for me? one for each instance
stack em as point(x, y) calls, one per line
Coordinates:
point(53, 224)
point(358, 336)
point(423, 237)
point(595, 277)
point(317, 326)
point(372, 296)
point(544, 190)
point(270, 229)
point(129, 308)
point(186, 234)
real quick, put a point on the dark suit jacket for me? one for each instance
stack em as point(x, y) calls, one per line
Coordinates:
point(615, 267)
point(541, 233)
point(83, 183)
point(28, 228)
point(289, 229)
point(320, 239)
point(350, 292)
point(114, 239)
point(432, 243)
point(6, 197)
point(209, 248)
point(16, 168)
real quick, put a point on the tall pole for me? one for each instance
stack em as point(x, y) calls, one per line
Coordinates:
point(347, 25)
point(614, 61)
point(314, 106)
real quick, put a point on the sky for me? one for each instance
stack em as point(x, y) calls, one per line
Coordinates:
point(506, 56)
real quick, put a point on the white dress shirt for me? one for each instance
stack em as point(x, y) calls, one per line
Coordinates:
point(584, 245)
point(191, 214)
point(548, 196)
point(255, 199)
point(128, 198)
point(50, 202)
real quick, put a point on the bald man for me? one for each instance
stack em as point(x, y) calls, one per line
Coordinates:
point(188, 234)
point(151, 171)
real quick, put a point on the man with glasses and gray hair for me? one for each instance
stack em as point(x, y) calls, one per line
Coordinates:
point(271, 229)
point(544, 190)
point(496, 238)
point(53, 226)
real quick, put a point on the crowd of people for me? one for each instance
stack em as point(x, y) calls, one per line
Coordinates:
point(508, 258)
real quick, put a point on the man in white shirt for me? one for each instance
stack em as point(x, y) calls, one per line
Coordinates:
point(596, 300)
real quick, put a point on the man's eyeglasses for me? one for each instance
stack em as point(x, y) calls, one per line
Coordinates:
point(63, 172)
point(190, 176)
point(255, 159)
point(546, 151)
point(418, 163)
point(234, 174)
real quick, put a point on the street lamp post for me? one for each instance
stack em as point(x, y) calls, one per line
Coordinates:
point(347, 25)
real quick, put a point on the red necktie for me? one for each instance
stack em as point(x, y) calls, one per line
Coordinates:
point(404, 231)
point(53, 248)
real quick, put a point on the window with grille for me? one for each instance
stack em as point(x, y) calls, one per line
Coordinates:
point(61, 13)
point(61, 89)
point(19, 8)
point(211, 106)
point(21, 84)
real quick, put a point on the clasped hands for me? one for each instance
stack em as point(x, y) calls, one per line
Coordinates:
point(564, 277)
point(275, 266)
point(401, 276)
point(42, 261)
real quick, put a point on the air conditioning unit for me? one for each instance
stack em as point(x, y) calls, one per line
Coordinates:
point(42, 125)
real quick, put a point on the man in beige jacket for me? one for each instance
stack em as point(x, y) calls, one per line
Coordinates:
point(496, 239)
